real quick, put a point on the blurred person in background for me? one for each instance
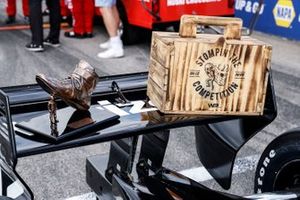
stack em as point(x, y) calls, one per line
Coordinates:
point(36, 25)
point(11, 10)
point(83, 16)
point(64, 10)
point(111, 18)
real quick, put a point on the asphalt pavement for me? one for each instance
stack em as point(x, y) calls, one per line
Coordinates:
point(61, 175)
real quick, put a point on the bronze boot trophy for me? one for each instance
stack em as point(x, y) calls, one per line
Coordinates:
point(75, 90)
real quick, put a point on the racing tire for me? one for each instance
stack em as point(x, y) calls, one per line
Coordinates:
point(129, 34)
point(279, 165)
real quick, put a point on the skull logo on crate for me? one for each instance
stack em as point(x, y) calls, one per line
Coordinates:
point(216, 73)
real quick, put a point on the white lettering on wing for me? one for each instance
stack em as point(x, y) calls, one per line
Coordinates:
point(136, 107)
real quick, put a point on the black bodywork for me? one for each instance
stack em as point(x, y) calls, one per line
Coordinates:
point(119, 175)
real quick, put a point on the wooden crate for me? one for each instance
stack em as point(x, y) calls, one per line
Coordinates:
point(209, 74)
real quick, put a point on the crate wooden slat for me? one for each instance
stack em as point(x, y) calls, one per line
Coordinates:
point(208, 74)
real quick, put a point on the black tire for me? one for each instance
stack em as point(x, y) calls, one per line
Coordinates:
point(130, 34)
point(279, 165)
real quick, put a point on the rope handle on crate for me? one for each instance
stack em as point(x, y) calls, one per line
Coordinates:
point(232, 25)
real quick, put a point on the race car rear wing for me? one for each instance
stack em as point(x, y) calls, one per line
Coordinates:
point(139, 117)
point(218, 143)
point(11, 184)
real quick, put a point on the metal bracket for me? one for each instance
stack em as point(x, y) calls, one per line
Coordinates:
point(121, 98)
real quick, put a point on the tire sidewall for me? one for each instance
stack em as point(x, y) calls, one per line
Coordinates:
point(278, 153)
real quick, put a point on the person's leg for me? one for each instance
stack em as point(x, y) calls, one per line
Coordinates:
point(25, 6)
point(115, 47)
point(36, 21)
point(106, 44)
point(11, 11)
point(64, 12)
point(110, 22)
point(36, 25)
point(55, 17)
point(78, 21)
point(116, 15)
point(89, 8)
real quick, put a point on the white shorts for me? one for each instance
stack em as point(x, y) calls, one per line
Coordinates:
point(105, 3)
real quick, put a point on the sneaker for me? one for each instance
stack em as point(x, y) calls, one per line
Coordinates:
point(113, 52)
point(51, 42)
point(72, 34)
point(105, 45)
point(34, 47)
point(10, 20)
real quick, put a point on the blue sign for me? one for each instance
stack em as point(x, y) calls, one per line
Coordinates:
point(278, 17)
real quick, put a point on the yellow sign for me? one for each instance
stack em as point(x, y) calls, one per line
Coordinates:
point(284, 13)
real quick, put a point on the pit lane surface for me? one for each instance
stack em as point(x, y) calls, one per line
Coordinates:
point(61, 175)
